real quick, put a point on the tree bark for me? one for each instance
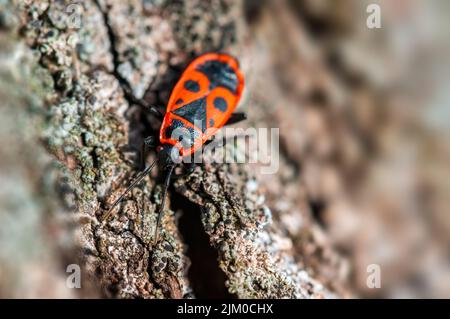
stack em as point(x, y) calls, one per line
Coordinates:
point(70, 132)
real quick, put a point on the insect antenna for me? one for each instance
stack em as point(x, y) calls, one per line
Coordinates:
point(137, 180)
point(161, 207)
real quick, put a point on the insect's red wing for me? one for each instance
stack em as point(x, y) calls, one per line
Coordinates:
point(202, 101)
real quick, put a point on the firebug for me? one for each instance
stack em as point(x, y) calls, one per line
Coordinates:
point(201, 103)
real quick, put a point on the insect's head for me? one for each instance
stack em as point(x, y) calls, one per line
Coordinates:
point(169, 155)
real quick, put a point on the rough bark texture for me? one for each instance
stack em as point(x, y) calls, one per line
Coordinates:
point(69, 135)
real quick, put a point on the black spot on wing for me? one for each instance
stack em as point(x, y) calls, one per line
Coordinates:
point(179, 101)
point(174, 125)
point(184, 134)
point(192, 86)
point(219, 74)
point(220, 103)
point(211, 122)
point(194, 112)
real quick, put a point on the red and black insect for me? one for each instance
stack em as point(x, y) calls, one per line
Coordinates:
point(202, 101)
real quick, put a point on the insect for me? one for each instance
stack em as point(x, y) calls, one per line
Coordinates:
point(202, 101)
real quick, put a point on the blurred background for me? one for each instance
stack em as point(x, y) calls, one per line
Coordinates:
point(364, 133)
point(372, 134)
point(379, 125)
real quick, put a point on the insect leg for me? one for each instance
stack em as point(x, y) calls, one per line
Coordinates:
point(232, 139)
point(149, 142)
point(236, 118)
point(163, 203)
point(154, 110)
point(189, 168)
point(136, 180)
